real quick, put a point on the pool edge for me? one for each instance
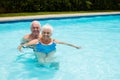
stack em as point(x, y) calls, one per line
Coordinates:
point(54, 16)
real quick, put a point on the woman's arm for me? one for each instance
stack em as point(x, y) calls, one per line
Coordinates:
point(68, 44)
point(27, 44)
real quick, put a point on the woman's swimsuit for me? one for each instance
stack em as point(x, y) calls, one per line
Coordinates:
point(45, 48)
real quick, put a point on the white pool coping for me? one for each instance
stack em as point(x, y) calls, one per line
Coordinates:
point(5, 19)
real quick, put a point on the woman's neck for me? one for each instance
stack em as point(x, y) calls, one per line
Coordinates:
point(46, 40)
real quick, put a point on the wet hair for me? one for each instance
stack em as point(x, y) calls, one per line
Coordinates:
point(48, 26)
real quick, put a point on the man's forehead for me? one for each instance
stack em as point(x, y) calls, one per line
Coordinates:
point(35, 25)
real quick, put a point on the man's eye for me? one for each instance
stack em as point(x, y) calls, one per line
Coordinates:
point(48, 32)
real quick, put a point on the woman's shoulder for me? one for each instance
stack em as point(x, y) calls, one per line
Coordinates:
point(55, 40)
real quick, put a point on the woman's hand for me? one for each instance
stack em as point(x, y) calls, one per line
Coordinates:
point(77, 47)
point(19, 48)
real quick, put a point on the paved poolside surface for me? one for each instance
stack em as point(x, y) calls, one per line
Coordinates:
point(4, 19)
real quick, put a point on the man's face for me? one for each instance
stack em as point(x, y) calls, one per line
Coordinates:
point(35, 28)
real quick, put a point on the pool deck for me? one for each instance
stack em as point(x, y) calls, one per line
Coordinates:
point(6, 19)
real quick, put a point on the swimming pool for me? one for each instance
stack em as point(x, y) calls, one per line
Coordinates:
point(98, 59)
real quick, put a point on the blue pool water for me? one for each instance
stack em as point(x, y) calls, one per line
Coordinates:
point(99, 58)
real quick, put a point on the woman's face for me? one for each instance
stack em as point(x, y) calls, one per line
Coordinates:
point(46, 33)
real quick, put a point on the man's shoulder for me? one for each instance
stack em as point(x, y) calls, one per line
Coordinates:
point(26, 36)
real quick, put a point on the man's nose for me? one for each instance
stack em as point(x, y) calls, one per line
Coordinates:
point(35, 29)
point(45, 34)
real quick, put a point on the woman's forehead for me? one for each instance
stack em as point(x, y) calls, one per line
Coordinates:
point(46, 30)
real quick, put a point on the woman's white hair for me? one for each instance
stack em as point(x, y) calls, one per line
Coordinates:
point(47, 26)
